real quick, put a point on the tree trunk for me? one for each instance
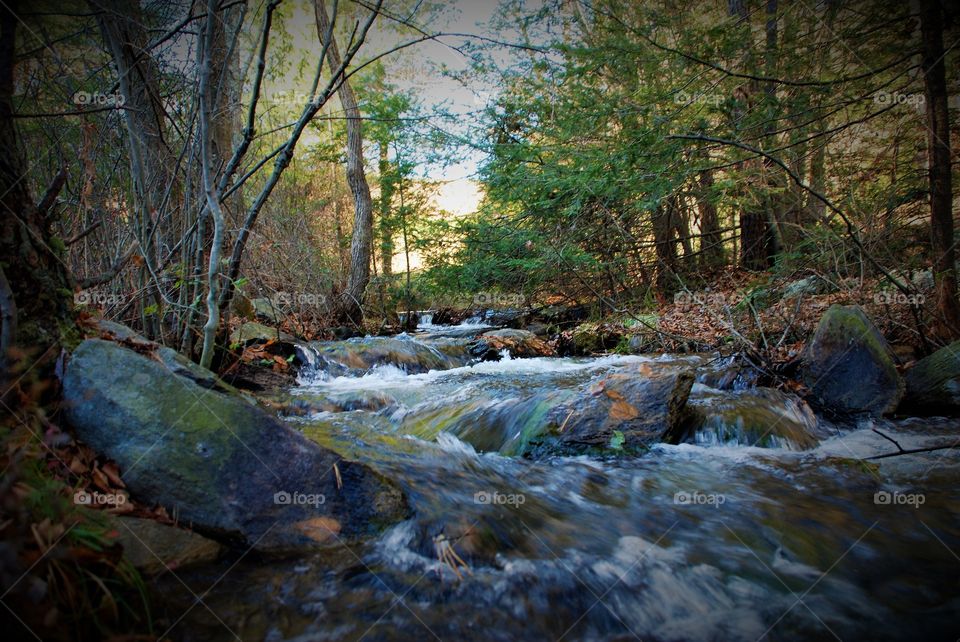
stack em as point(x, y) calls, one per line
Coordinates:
point(711, 248)
point(207, 145)
point(386, 221)
point(36, 301)
point(941, 190)
point(666, 248)
point(755, 242)
point(360, 246)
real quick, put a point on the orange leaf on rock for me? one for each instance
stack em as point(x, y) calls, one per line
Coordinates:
point(319, 529)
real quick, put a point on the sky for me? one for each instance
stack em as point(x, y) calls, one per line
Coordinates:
point(419, 68)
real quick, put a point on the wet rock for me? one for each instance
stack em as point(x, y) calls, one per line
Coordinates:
point(933, 384)
point(564, 316)
point(370, 400)
point(259, 378)
point(727, 374)
point(762, 417)
point(520, 343)
point(626, 412)
point(539, 329)
point(506, 317)
point(153, 547)
point(848, 366)
point(224, 466)
point(357, 356)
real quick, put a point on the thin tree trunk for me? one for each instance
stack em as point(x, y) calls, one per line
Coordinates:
point(207, 147)
point(711, 248)
point(941, 189)
point(386, 222)
point(665, 247)
point(360, 246)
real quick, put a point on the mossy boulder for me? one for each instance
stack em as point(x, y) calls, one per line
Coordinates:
point(933, 384)
point(224, 466)
point(849, 367)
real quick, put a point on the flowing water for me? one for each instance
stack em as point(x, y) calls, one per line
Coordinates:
point(715, 538)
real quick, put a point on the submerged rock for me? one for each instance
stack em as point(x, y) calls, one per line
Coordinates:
point(933, 384)
point(849, 367)
point(762, 417)
point(153, 547)
point(223, 465)
point(519, 343)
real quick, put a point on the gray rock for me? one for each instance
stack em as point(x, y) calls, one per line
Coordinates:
point(266, 310)
point(808, 286)
point(849, 367)
point(253, 332)
point(226, 467)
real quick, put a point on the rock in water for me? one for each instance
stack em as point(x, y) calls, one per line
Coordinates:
point(849, 367)
point(218, 462)
point(153, 547)
point(762, 417)
point(626, 411)
point(933, 384)
point(357, 356)
point(519, 343)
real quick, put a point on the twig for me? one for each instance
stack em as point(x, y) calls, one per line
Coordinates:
point(890, 439)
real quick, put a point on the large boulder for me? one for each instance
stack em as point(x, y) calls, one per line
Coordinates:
point(490, 346)
point(219, 462)
point(849, 367)
point(625, 411)
point(933, 384)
